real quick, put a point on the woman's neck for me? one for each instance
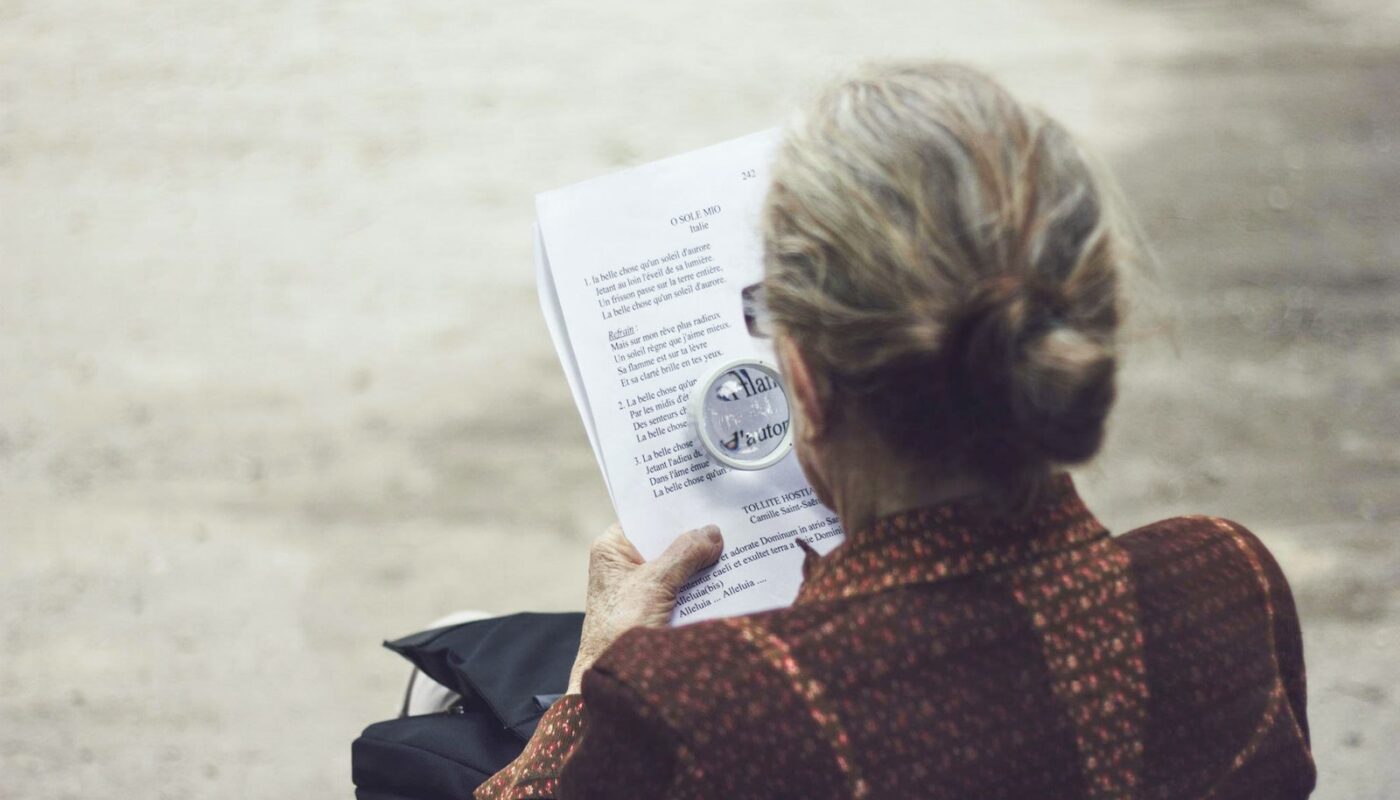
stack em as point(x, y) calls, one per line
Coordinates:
point(868, 483)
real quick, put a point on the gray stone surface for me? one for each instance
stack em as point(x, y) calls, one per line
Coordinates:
point(273, 384)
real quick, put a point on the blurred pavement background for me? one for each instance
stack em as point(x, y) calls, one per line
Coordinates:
point(274, 386)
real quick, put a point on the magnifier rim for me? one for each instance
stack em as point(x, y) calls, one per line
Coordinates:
point(697, 415)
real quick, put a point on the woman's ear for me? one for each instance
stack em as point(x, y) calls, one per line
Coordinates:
point(803, 388)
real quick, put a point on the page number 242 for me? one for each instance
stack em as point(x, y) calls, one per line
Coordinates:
point(748, 175)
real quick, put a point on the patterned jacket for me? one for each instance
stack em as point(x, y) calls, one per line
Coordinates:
point(947, 652)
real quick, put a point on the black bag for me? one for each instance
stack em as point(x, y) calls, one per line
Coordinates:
point(507, 669)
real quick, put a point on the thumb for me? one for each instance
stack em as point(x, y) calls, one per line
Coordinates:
point(691, 552)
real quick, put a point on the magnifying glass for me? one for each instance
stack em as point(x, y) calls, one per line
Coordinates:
point(742, 415)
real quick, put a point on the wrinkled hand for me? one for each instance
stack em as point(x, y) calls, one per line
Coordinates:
point(624, 591)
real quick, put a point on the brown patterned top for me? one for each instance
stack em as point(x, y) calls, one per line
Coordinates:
point(950, 652)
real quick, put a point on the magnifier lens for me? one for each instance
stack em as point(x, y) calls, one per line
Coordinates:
point(743, 415)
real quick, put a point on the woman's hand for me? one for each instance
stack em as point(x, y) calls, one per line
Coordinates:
point(625, 591)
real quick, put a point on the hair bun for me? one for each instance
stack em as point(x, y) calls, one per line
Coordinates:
point(1063, 393)
point(1045, 387)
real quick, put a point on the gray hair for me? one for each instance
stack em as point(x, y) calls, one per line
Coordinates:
point(946, 258)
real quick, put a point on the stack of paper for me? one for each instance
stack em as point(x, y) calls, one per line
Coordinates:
point(640, 275)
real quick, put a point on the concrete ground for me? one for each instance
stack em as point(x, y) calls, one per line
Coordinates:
point(273, 385)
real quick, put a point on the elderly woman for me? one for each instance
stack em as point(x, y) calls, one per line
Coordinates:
point(942, 273)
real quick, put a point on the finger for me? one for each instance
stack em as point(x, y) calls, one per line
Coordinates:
point(691, 552)
point(613, 547)
point(622, 544)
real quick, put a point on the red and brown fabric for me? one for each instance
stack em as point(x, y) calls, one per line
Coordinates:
point(953, 652)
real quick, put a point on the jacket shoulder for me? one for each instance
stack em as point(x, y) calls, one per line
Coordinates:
point(1203, 559)
point(1219, 623)
point(1177, 538)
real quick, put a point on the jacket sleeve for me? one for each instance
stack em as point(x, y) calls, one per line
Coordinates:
point(1288, 635)
point(605, 743)
point(535, 773)
point(629, 750)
